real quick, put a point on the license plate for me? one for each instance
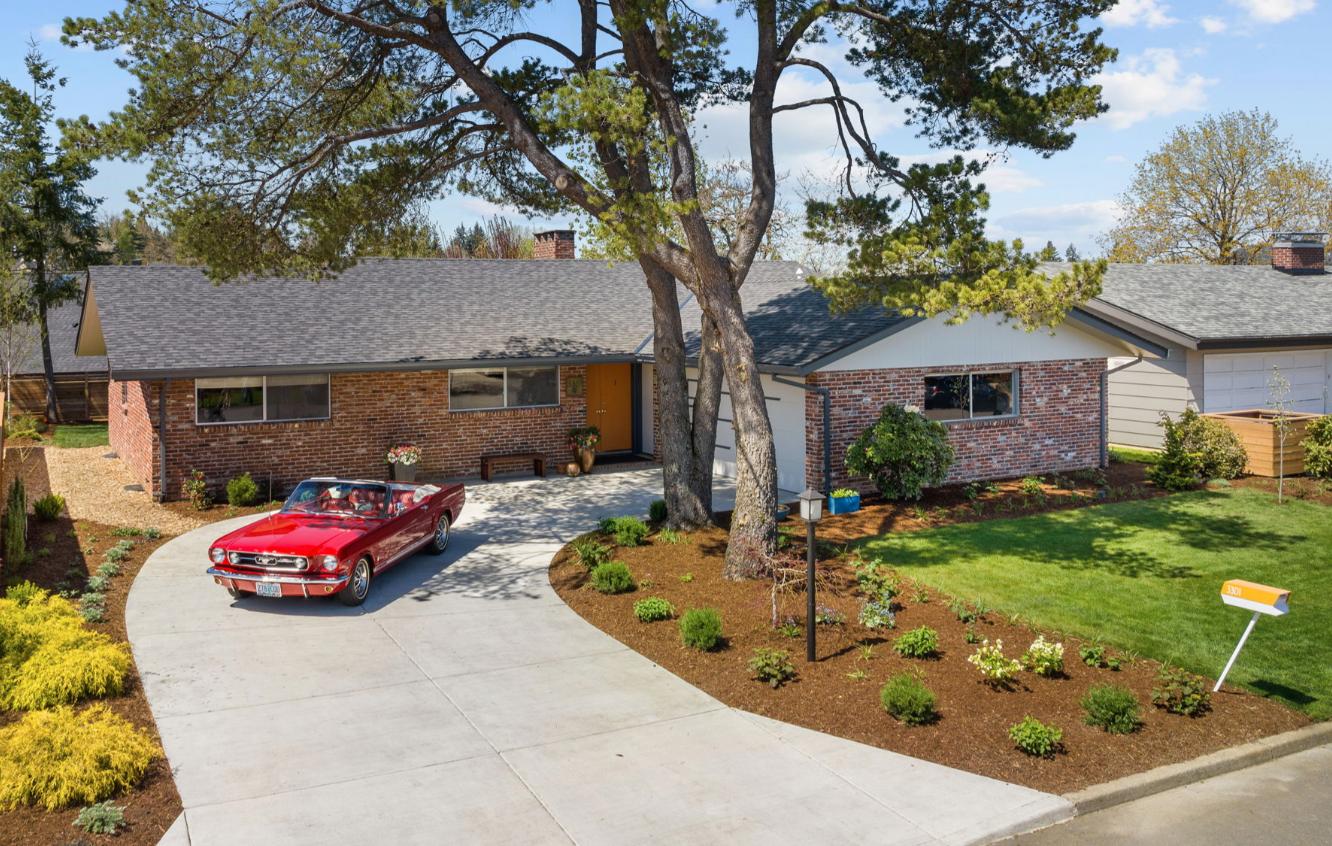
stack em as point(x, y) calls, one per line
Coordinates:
point(267, 589)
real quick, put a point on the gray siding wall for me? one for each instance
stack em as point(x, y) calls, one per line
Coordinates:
point(1138, 394)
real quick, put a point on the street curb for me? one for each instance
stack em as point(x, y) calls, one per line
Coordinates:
point(1161, 779)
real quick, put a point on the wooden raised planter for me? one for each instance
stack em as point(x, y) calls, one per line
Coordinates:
point(1258, 432)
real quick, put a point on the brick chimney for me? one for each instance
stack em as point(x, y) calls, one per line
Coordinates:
point(556, 244)
point(1298, 252)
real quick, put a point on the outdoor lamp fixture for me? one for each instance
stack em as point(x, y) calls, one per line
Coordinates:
point(811, 509)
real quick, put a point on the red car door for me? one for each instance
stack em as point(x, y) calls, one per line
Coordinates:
point(411, 520)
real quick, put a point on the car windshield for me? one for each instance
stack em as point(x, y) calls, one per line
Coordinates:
point(337, 499)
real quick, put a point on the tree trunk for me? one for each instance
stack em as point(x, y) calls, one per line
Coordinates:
point(707, 402)
point(48, 367)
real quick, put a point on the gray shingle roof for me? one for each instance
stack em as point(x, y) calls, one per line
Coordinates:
point(63, 322)
point(1211, 302)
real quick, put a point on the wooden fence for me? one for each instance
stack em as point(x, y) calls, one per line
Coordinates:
point(79, 397)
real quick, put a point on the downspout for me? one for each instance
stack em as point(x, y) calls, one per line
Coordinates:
point(827, 426)
point(1105, 409)
point(160, 493)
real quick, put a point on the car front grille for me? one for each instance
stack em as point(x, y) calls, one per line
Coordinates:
point(268, 561)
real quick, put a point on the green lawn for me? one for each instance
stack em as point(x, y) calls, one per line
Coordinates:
point(80, 435)
point(1146, 576)
point(1129, 455)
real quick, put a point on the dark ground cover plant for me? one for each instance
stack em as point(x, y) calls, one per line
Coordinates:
point(905, 697)
point(902, 453)
point(1112, 707)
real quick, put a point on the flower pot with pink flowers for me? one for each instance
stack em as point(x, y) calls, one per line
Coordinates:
point(402, 460)
point(583, 442)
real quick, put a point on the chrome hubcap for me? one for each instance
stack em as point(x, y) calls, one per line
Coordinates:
point(360, 579)
point(442, 533)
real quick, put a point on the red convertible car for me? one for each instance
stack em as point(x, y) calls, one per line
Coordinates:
point(333, 536)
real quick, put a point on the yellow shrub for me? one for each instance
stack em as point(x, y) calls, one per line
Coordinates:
point(49, 657)
point(65, 757)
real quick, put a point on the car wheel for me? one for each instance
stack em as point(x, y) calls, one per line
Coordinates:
point(238, 594)
point(439, 541)
point(358, 586)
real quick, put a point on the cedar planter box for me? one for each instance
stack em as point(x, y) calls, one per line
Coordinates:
point(1262, 441)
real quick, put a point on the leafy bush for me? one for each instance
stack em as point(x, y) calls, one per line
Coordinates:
point(877, 614)
point(93, 614)
point(101, 818)
point(242, 490)
point(657, 511)
point(14, 524)
point(628, 531)
point(25, 426)
point(126, 532)
point(1044, 658)
point(902, 453)
point(772, 665)
point(107, 569)
point(652, 609)
point(1031, 485)
point(97, 583)
point(612, 577)
point(828, 616)
point(1093, 654)
point(48, 657)
point(918, 643)
point(1318, 447)
point(993, 665)
point(876, 581)
point(61, 757)
point(701, 628)
point(117, 553)
point(590, 552)
point(48, 507)
point(152, 533)
point(1181, 692)
point(964, 614)
point(1112, 707)
point(1196, 448)
point(25, 592)
point(1034, 737)
point(194, 490)
point(905, 697)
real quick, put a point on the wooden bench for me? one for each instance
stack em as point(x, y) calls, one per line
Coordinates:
point(488, 462)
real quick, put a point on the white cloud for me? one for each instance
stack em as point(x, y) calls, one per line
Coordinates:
point(1274, 11)
point(51, 33)
point(1080, 222)
point(1117, 159)
point(1146, 13)
point(1212, 25)
point(998, 178)
point(1150, 85)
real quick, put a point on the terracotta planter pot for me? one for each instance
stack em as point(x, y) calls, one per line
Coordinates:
point(586, 457)
point(404, 472)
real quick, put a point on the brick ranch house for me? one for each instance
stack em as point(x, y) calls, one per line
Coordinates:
point(288, 379)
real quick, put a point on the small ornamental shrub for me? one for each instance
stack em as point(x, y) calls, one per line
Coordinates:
point(628, 531)
point(93, 613)
point(589, 552)
point(48, 507)
point(921, 642)
point(48, 657)
point(1112, 707)
point(14, 525)
point(117, 553)
point(92, 598)
point(25, 426)
point(1035, 738)
point(657, 511)
point(790, 628)
point(828, 616)
point(1318, 447)
point(97, 583)
point(877, 614)
point(652, 609)
point(990, 660)
point(1093, 654)
point(772, 665)
point(23, 593)
point(905, 697)
point(152, 533)
point(612, 577)
point(701, 628)
point(1196, 448)
point(61, 757)
point(242, 490)
point(1181, 692)
point(194, 490)
point(876, 581)
point(1031, 485)
point(1044, 658)
point(101, 818)
point(107, 569)
point(902, 453)
point(687, 578)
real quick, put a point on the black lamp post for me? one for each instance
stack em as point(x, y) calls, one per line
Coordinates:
point(811, 509)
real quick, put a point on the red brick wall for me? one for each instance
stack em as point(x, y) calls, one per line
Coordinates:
point(1058, 427)
point(557, 244)
point(370, 412)
point(1306, 258)
point(132, 426)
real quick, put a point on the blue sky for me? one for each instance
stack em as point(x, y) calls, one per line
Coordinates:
point(1177, 62)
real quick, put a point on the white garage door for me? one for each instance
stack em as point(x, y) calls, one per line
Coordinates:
point(1233, 382)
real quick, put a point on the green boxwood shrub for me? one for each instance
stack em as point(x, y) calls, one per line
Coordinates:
point(905, 697)
point(1196, 448)
point(1112, 707)
point(242, 490)
point(628, 531)
point(612, 577)
point(902, 453)
point(920, 642)
point(652, 609)
point(701, 628)
point(657, 511)
point(1318, 447)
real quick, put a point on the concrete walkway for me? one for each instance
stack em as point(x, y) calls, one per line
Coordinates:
point(465, 703)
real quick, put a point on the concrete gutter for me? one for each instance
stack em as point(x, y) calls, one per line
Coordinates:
point(1161, 779)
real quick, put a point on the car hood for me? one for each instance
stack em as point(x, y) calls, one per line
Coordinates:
point(295, 534)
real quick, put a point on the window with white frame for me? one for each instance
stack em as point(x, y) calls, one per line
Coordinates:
point(261, 399)
point(971, 396)
point(503, 387)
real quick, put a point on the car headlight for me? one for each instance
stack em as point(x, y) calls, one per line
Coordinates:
point(329, 562)
point(218, 554)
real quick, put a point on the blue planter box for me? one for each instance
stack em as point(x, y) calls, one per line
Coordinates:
point(843, 504)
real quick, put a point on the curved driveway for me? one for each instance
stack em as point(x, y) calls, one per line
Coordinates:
point(466, 704)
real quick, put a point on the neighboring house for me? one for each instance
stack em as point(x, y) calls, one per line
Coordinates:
point(1226, 327)
point(465, 357)
point(81, 381)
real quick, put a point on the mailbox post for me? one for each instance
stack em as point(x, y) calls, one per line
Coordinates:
point(1260, 599)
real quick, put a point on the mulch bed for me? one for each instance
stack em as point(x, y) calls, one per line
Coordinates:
point(153, 806)
point(972, 732)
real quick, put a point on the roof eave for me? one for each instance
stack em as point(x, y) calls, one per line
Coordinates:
point(1213, 344)
point(1137, 324)
point(150, 374)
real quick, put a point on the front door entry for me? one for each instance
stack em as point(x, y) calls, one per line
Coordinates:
point(610, 405)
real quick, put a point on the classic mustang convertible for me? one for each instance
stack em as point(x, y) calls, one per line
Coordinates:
point(333, 536)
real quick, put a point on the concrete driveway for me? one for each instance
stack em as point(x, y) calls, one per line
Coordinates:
point(465, 703)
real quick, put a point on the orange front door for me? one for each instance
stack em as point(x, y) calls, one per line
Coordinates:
point(610, 405)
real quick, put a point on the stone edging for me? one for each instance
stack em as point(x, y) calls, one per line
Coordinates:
point(1161, 779)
